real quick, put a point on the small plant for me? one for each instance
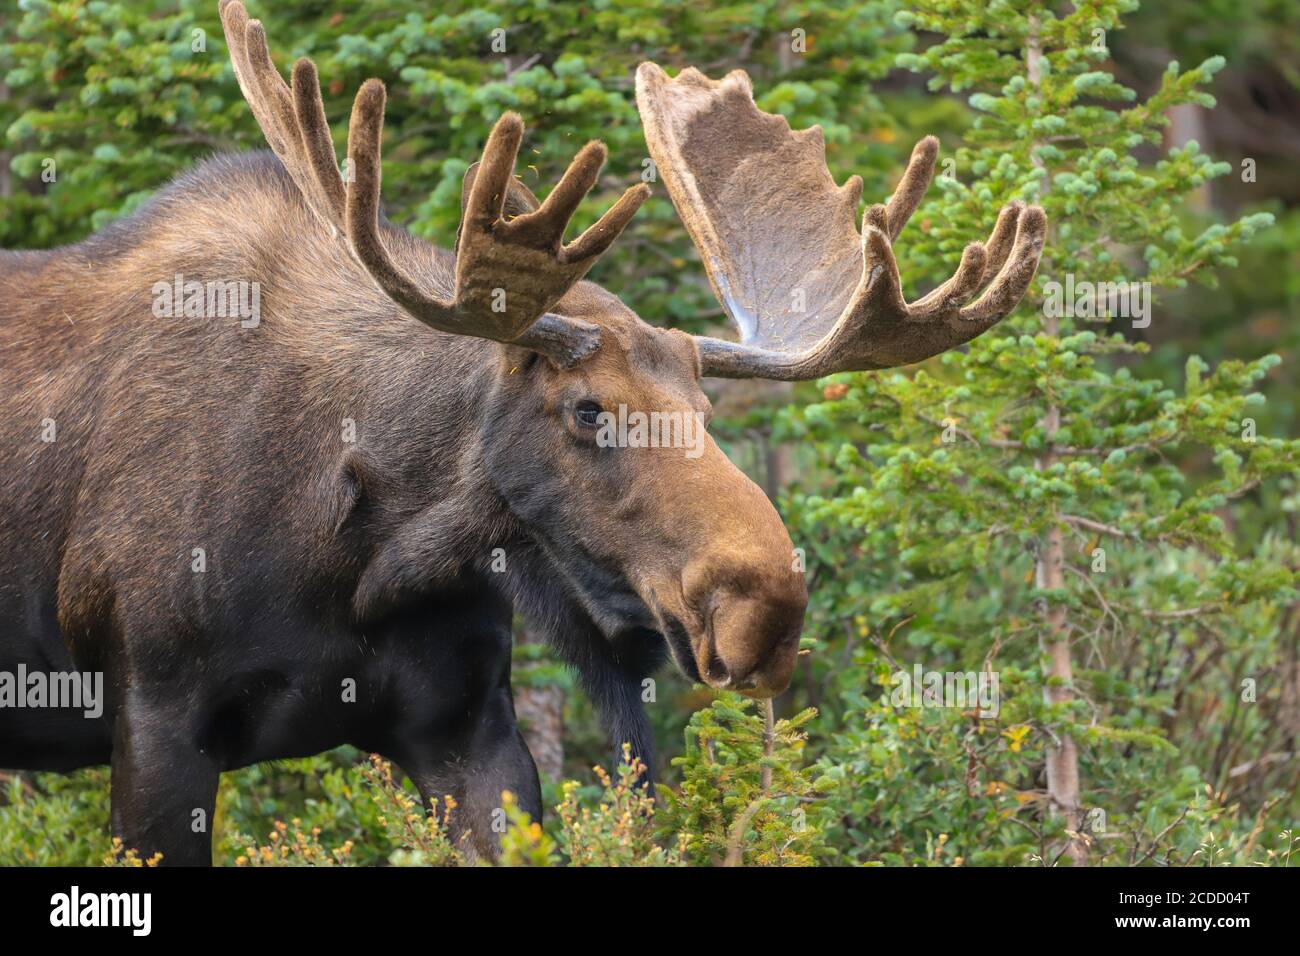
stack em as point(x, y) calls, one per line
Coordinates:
point(1290, 839)
point(746, 795)
point(119, 855)
point(294, 847)
point(50, 819)
point(423, 837)
point(420, 838)
point(620, 830)
point(524, 843)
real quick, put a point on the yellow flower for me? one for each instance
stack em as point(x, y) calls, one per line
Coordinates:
point(1016, 737)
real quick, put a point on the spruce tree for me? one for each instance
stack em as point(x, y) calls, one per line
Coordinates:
point(1036, 485)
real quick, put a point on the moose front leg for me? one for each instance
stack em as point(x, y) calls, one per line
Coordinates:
point(489, 757)
point(164, 789)
point(459, 736)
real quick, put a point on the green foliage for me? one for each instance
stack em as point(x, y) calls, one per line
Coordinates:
point(116, 98)
point(746, 797)
point(117, 95)
point(330, 796)
point(524, 843)
point(54, 820)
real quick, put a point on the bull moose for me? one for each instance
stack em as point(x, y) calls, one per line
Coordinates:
point(235, 522)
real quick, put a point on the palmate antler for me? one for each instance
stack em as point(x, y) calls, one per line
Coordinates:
point(808, 295)
point(509, 272)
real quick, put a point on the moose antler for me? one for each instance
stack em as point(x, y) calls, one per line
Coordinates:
point(807, 294)
point(509, 272)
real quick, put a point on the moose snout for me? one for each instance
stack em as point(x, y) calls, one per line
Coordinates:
point(751, 640)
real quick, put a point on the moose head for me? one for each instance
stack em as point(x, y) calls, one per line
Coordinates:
point(650, 538)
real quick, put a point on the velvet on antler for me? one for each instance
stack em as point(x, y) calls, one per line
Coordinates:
point(509, 271)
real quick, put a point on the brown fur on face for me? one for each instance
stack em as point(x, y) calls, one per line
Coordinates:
point(698, 541)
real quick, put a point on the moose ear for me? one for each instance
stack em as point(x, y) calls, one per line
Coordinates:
point(519, 198)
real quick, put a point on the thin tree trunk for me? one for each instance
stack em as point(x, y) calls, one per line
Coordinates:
point(1049, 572)
point(1187, 123)
point(1062, 756)
point(540, 711)
point(6, 183)
point(769, 743)
point(778, 466)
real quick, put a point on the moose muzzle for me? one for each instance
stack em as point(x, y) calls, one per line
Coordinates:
point(751, 640)
point(746, 601)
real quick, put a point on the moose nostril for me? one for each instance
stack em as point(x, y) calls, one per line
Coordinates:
point(750, 641)
point(716, 673)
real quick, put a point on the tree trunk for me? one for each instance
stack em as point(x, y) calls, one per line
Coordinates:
point(1062, 756)
point(1049, 573)
point(1187, 123)
point(540, 710)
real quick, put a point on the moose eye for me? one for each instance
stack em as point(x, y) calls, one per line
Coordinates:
point(588, 414)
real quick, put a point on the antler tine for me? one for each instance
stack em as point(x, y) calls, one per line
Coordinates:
point(547, 223)
point(881, 291)
point(1001, 239)
point(591, 245)
point(980, 263)
point(234, 21)
point(281, 114)
point(549, 220)
point(365, 129)
point(879, 329)
point(487, 196)
point(961, 288)
point(1012, 281)
point(911, 188)
point(316, 139)
point(1008, 260)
